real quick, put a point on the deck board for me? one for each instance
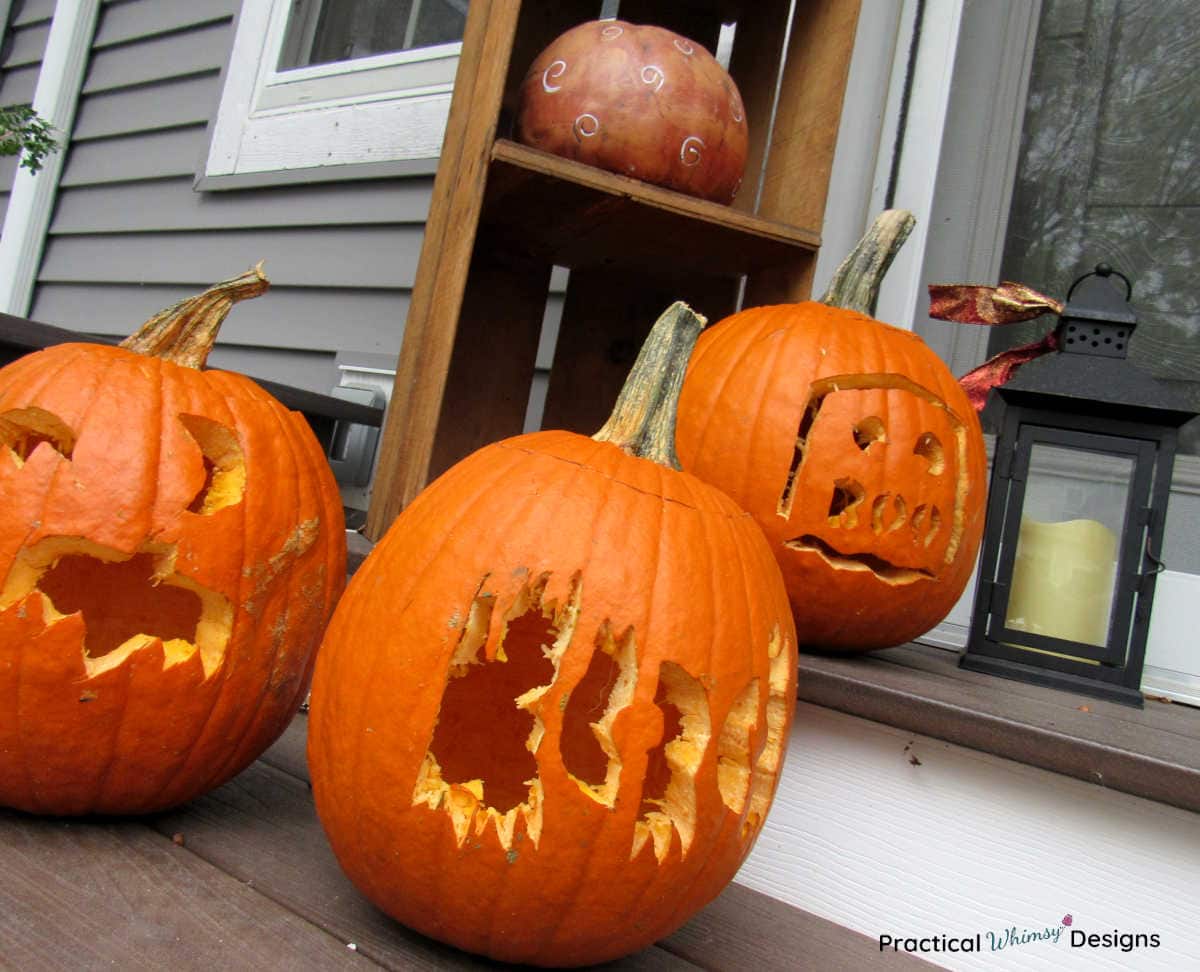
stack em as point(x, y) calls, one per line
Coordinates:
point(262, 828)
point(243, 878)
point(85, 894)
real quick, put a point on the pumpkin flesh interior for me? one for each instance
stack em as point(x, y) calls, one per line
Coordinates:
point(481, 766)
point(127, 601)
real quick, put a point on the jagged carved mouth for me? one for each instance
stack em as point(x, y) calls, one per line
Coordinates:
point(887, 572)
point(126, 602)
point(481, 767)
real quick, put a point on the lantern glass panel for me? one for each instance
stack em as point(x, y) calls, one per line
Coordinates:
point(1073, 518)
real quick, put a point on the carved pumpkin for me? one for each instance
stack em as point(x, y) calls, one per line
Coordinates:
point(171, 546)
point(549, 712)
point(639, 100)
point(855, 449)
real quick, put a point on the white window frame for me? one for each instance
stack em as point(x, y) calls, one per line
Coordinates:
point(958, 154)
point(388, 109)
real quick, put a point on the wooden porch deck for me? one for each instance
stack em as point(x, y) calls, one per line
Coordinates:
point(244, 879)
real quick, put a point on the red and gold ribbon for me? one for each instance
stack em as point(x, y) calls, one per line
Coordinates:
point(1009, 303)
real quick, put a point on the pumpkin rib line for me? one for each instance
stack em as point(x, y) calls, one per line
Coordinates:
point(20, 735)
point(359, 605)
point(739, 543)
point(765, 382)
point(51, 375)
point(536, 496)
point(198, 387)
point(98, 384)
point(584, 465)
point(516, 511)
point(713, 396)
point(248, 722)
point(650, 600)
point(761, 321)
point(156, 438)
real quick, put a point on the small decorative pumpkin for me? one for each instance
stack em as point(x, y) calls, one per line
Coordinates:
point(171, 547)
point(854, 448)
point(549, 712)
point(639, 100)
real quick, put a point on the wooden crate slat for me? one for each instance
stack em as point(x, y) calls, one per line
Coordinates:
point(579, 216)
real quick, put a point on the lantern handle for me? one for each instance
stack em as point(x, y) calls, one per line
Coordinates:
point(1104, 270)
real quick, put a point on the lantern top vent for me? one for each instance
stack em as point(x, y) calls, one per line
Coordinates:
point(1097, 320)
point(1090, 373)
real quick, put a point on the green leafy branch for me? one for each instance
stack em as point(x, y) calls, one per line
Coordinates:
point(25, 133)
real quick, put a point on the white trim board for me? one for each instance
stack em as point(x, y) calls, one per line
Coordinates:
point(966, 842)
point(55, 98)
point(388, 108)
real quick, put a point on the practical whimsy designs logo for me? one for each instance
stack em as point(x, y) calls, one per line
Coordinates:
point(1067, 919)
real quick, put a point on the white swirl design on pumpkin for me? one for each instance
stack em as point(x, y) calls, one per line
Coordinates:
point(586, 125)
point(611, 31)
point(653, 74)
point(690, 150)
point(735, 105)
point(553, 72)
point(684, 47)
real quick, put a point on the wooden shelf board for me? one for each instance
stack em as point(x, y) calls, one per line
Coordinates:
point(578, 216)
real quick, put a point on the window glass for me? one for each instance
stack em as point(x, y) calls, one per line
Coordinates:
point(1109, 171)
point(324, 31)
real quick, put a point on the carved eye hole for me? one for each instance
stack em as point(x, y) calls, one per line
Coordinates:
point(869, 431)
point(848, 494)
point(929, 448)
point(22, 430)
point(224, 465)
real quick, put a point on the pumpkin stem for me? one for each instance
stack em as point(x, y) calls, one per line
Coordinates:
point(855, 284)
point(643, 420)
point(186, 332)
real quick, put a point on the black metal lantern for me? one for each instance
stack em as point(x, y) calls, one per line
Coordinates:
point(1076, 507)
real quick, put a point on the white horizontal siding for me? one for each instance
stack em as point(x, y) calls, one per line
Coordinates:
point(965, 842)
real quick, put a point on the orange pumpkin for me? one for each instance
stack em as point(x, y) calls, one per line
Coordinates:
point(549, 712)
point(854, 448)
point(171, 547)
point(641, 101)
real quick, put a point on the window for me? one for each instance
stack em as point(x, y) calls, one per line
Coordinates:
point(314, 86)
point(1033, 140)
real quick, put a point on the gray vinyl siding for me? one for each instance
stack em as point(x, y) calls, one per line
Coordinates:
point(24, 45)
point(130, 234)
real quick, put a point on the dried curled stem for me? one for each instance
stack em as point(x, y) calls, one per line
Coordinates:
point(186, 332)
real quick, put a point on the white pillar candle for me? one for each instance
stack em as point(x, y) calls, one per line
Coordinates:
point(1062, 583)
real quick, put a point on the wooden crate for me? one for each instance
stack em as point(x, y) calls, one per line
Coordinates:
point(503, 215)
